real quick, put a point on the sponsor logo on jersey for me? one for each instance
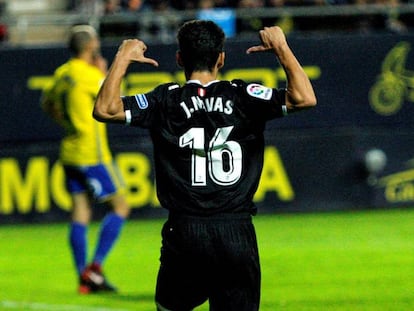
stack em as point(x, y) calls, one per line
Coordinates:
point(141, 101)
point(259, 91)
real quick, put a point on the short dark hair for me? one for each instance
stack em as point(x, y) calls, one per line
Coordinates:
point(79, 37)
point(200, 43)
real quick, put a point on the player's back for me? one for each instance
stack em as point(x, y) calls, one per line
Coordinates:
point(208, 143)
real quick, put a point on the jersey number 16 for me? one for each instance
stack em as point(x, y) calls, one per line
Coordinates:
point(223, 159)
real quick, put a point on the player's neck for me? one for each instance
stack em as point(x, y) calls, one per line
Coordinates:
point(86, 57)
point(204, 77)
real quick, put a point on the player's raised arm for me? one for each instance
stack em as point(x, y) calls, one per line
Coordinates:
point(108, 105)
point(300, 94)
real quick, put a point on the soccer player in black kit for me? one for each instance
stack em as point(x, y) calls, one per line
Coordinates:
point(208, 151)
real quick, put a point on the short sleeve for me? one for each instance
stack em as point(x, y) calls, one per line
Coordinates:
point(140, 109)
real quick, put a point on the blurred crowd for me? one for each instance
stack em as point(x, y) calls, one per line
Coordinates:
point(131, 6)
point(390, 22)
point(162, 28)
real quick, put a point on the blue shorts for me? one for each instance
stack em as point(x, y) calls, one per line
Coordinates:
point(100, 181)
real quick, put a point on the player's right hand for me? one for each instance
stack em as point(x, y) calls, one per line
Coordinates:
point(133, 50)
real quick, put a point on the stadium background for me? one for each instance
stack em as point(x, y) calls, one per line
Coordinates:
point(319, 160)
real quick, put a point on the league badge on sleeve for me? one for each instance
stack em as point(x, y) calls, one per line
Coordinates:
point(259, 91)
point(142, 101)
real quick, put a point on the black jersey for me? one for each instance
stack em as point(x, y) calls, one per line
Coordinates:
point(208, 142)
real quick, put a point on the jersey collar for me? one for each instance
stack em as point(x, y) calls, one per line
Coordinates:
point(198, 82)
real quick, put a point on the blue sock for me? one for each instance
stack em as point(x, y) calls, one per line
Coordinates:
point(110, 229)
point(77, 238)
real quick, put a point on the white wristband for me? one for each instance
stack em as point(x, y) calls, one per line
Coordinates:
point(284, 110)
point(128, 117)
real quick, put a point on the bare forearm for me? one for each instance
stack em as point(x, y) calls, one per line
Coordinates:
point(108, 105)
point(300, 93)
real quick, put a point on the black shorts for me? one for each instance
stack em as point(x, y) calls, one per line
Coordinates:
point(209, 258)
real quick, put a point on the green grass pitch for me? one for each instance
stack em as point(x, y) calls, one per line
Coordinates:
point(318, 261)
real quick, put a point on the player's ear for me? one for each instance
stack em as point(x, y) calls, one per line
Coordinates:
point(220, 60)
point(178, 59)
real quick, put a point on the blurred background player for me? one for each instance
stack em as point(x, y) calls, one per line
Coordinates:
point(85, 155)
